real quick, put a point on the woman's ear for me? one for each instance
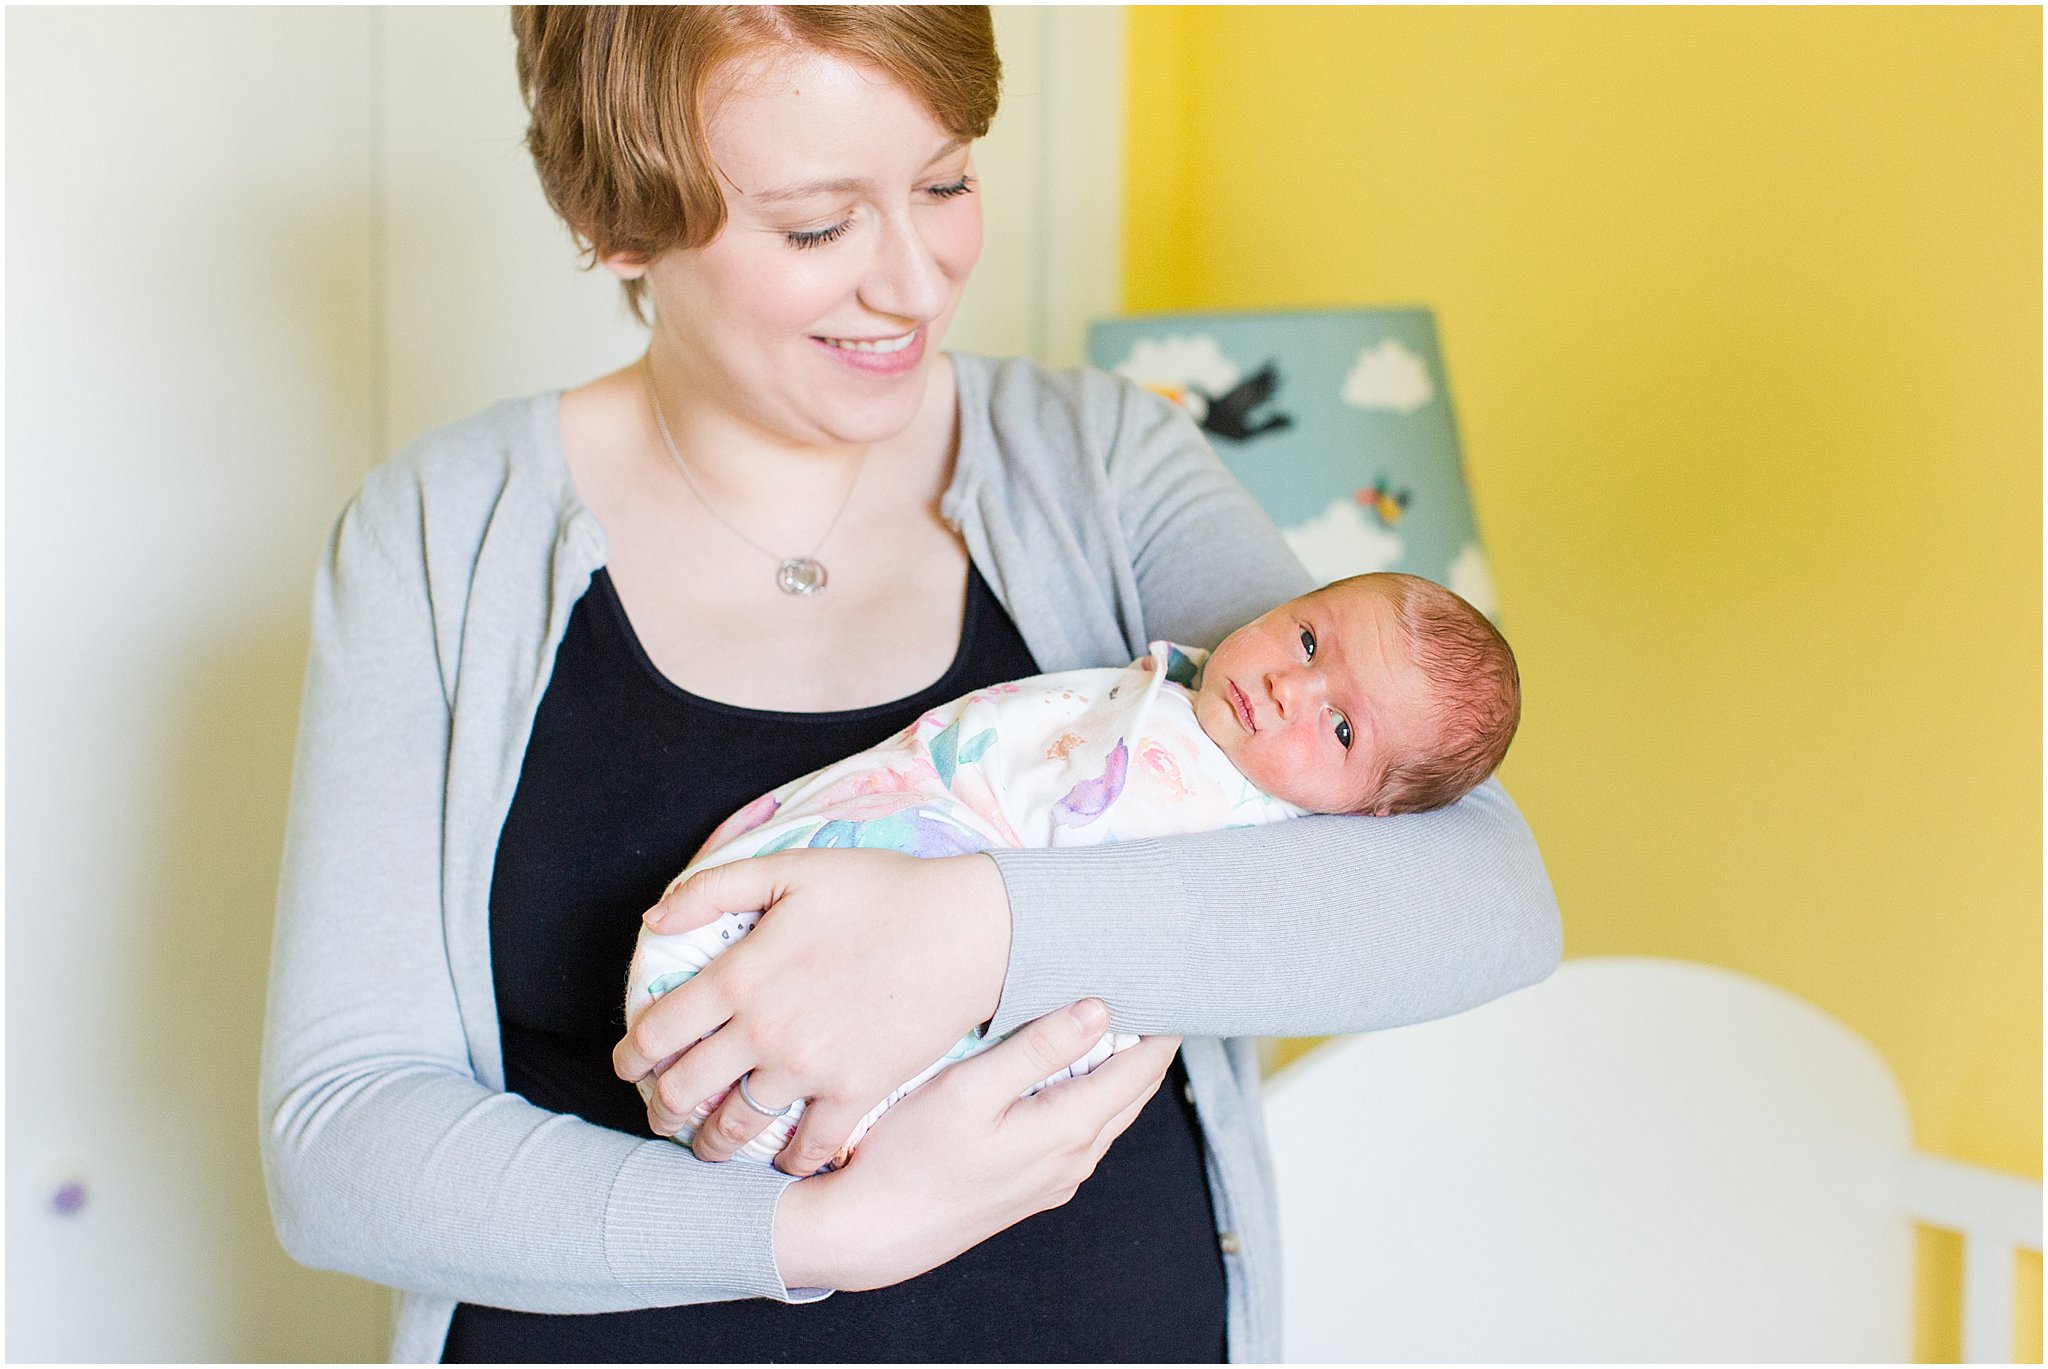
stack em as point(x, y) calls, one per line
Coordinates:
point(624, 265)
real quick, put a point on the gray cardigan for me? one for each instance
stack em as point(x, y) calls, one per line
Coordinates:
point(1101, 519)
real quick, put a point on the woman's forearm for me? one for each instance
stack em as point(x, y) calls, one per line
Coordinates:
point(424, 1180)
point(1315, 925)
point(384, 1154)
point(1312, 926)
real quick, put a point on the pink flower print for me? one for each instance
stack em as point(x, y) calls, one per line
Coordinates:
point(1160, 762)
point(879, 803)
point(1062, 748)
point(884, 789)
point(975, 795)
point(891, 780)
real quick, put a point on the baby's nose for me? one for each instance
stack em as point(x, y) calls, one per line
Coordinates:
point(1287, 688)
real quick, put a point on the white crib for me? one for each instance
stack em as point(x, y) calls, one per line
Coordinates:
point(1638, 1159)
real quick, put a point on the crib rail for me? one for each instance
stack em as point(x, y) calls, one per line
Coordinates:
point(1998, 1215)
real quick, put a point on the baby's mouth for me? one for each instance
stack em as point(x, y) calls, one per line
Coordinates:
point(1242, 705)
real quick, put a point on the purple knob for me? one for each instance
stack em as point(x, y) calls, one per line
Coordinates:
point(68, 1199)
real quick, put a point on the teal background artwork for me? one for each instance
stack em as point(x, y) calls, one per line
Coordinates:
point(1338, 421)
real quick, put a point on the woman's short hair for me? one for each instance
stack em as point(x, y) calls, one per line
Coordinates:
point(616, 98)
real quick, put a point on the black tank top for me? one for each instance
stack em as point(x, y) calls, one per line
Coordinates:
point(624, 777)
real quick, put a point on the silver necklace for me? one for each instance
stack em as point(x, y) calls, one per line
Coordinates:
point(799, 575)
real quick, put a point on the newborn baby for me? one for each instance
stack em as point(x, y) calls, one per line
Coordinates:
point(1380, 694)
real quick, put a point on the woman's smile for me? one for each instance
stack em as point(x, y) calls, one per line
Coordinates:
point(888, 356)
point(852, 225)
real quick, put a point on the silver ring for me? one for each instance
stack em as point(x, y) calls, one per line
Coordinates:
point(748, 1098)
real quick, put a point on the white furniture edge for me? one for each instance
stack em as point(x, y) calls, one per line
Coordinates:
point(1998, 1215)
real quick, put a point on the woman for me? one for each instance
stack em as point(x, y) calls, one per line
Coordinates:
point(556, 643)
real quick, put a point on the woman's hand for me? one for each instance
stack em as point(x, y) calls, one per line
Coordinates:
point(964, 1157)
point(866, 967)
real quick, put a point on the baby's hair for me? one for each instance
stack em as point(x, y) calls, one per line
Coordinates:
point(1477, 689)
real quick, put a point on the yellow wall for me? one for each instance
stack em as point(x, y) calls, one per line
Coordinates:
point(1741, 309)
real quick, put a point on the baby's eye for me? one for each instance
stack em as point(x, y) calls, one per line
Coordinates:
point(1343, 728)
point(1308, 643)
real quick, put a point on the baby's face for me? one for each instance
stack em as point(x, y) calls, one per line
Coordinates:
point(1312, 700)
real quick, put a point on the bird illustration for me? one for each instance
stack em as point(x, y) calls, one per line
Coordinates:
point(1384, 500)
point(1230, 415)
point(1090, 799)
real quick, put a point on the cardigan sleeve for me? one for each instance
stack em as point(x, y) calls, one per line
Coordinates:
point(384, 1155)
point(1313, 926)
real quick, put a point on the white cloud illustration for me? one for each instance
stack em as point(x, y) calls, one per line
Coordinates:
point(1471, 580)
point(1341, 541)
point(1173, 364)
point(1388, 376)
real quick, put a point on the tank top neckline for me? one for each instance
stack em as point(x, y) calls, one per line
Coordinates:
point(977, 590)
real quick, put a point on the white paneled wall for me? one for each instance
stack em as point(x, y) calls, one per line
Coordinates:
point(249, 251)
point(189, 402)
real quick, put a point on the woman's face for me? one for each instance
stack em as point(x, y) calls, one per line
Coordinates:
point(851, 227)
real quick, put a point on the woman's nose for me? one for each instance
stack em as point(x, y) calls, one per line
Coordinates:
point(906, 279)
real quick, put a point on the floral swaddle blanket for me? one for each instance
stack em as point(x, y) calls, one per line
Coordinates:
point(1077, 758)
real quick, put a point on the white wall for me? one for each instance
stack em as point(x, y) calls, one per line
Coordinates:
point(249, 251)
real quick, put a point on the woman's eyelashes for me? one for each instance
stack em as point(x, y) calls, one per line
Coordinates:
point(818, 237)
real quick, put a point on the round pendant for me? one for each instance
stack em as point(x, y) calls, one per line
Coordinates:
point(800, 575)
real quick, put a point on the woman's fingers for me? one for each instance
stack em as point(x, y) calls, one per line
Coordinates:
point(735, 1122)
point(824, 1129)
point(703, 1071)
point(1119, 1124)
point(868, 966)
point(1042, 1048)
point(675, 1022)
point(965, 1157)
point(1150, 1059)
point(1122, 1084)
point(738, 886)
